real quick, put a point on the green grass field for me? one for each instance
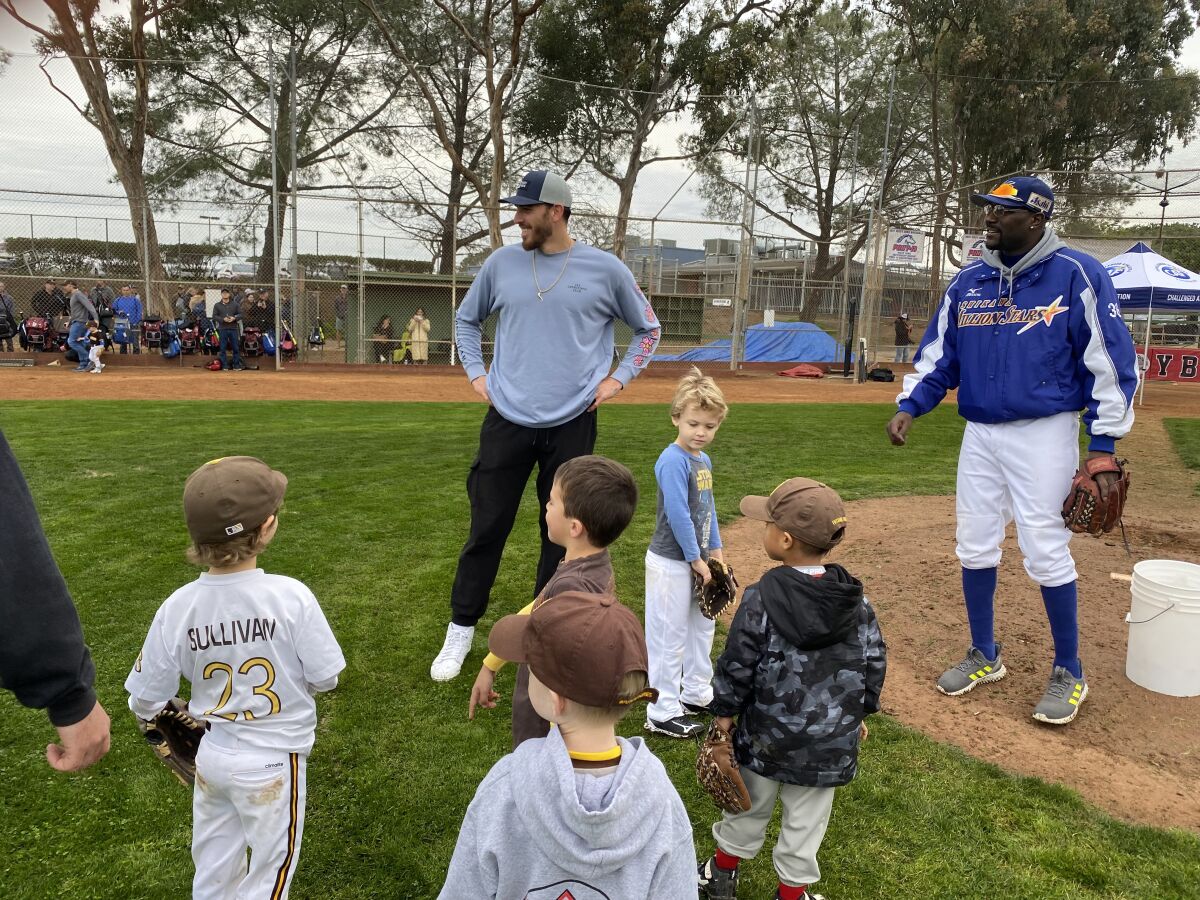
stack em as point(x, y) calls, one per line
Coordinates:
point(374, 519)
point(1185, 435)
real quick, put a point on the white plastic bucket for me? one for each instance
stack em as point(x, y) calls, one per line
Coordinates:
point(1164, 627)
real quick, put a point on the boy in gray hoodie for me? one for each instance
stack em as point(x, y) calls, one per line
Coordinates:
point(581, 812)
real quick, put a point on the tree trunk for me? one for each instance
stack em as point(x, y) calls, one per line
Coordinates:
point(447, 243)
point(76, 38)
point(273, 238)
point(935, 268)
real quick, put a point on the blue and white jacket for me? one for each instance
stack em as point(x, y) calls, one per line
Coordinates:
point(1043, 337)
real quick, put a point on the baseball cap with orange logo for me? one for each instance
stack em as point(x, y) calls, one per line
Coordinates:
point(1024, 192)
point(807, 510)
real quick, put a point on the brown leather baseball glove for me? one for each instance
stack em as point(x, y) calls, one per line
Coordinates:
point(1084, 511)
point(716, 593)
point(718, 772)
point(174, 735)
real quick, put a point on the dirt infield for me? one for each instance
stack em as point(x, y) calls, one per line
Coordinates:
point(122, 380)
point(162, 381)
point(1132, 752)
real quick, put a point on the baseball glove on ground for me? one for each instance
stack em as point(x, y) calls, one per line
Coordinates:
point(174, 735)
point(1083, 510)
point(718, 772)
point(717, 593)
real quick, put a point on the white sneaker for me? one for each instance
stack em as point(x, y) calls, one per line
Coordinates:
point(448, 662)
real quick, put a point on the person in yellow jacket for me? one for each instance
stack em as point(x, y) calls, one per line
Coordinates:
point(401, 354)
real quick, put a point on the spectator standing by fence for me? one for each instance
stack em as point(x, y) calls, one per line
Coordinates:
point(903, 337)
point(82, 312)
point(228, 316)
point(418, 329)
point(341, 308)
point(48, 301)
point(129, 306)
point(102, 294)
point(102, 298)
point(8, 312)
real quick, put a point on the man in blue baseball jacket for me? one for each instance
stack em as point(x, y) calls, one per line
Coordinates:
point(1030, 335)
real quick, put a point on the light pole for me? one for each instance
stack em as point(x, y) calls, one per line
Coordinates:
point(210, 220)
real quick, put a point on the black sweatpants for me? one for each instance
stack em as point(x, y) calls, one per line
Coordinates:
point(507, 454)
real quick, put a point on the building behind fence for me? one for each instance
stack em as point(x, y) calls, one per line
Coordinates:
point(691, 269)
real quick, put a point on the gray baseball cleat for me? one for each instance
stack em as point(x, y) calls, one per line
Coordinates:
point(974, 670)
point(1065, 694)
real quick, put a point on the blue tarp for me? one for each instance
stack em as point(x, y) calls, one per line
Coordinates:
point(791, 342)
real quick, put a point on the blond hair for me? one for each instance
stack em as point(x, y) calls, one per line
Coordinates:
point(632, 685)
point(697, 389)
point(232, 552)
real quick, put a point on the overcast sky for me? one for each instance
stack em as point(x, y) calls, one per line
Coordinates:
point(46, 146)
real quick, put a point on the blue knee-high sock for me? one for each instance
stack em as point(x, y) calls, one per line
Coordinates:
point(979, 590)
point(1061, 609)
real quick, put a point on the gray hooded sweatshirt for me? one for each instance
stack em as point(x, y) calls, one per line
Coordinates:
point(538, 828)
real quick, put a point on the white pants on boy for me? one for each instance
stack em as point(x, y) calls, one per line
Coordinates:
point(679, 639)
point(246, 798)
point(94, 356)
point(805, 817)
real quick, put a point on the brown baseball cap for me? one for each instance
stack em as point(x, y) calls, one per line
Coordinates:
point(805, 509)
point(579, 645)
point(231, 496)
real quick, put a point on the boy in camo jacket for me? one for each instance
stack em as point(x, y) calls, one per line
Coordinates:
point(803, 665)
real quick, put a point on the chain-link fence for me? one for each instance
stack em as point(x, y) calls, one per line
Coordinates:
point(359, 282)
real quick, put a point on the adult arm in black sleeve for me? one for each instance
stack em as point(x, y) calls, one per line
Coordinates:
point(43, 659)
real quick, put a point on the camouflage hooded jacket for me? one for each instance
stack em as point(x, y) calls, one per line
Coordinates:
point(803, 664)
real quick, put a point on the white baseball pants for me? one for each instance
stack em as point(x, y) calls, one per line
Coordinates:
point(806, 812)
point(1018, 471)
point(246, 798)
point(678, 639)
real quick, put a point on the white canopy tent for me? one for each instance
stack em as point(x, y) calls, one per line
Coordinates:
point(1147, 280)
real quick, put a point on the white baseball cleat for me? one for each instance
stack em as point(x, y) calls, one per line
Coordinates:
point(448, 663)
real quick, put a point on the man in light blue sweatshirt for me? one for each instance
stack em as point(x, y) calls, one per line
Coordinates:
point(556, 301)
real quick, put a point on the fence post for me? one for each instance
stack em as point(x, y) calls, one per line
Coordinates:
point(453, 280)
point(276, 240)
point(361, 334)
point(737, 347)
point(650, 280)
point(146, 252)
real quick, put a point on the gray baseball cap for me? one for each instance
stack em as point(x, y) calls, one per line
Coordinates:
point(540, 186)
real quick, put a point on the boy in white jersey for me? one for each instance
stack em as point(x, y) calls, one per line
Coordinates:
point(256, 648)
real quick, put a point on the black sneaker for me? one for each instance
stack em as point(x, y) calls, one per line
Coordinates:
point(679, 727)
point(695, 709)
point(717, 883)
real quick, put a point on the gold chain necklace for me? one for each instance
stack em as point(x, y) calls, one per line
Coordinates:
point(545, 290)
